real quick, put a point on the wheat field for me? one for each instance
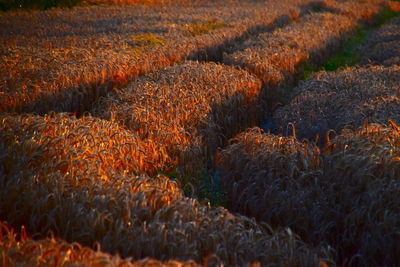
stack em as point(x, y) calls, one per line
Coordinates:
point(200, 133)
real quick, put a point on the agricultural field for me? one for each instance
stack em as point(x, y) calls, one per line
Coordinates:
point(200, 133)
point(91, 50)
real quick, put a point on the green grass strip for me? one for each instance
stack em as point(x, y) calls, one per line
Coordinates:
point(349, 56)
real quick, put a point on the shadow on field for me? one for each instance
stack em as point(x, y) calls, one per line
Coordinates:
point(81, 98)
point(77, 100)
point(215, 53)
point(317, 6)
point(258, 111)
point(279, 94)
point(272, 95)
point(225, 120)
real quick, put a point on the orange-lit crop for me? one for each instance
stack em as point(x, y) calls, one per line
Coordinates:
point(52, 178)
point(116, 116)
point(188, 110)
point(18, 249)
point(90, 51)
point(276, 57)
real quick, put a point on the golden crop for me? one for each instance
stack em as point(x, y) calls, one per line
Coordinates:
point(345, 98)
point(90, 51)
point(60, 184)
point(148, 120)
point(345, 197)
point(276, 57)
point(188, 110)
point(18, 249)
point(83, 144)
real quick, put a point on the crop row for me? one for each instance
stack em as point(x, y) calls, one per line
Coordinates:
point(52, 178)
point(91, 50)
point(187, 110)
point(192, 109)
point(345, 196)
point(334, 100)
point(18, 249)
point(383, 46)
point(347, 98)
point(277, 57)
point(88, 179)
